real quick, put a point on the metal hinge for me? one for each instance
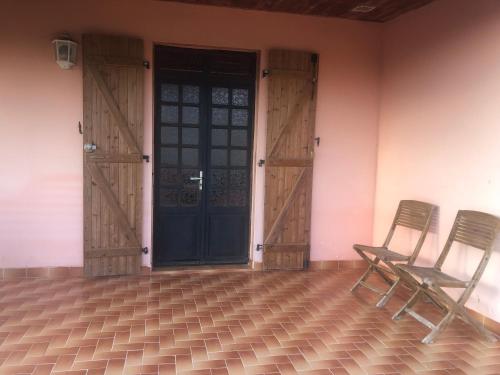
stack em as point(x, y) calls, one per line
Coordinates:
point(260, 247)
point(317, 139)
point(314, 60)
point(146, 158)
point(145, 250)
point(265, 73)
point(145, 63)
point(261, 162)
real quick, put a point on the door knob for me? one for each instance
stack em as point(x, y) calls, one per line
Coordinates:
point(199, 179)
point(89, 147)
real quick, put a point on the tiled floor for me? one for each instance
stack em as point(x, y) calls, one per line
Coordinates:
point(219, 323)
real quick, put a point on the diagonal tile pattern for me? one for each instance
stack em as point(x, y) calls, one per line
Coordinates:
point(222, 323)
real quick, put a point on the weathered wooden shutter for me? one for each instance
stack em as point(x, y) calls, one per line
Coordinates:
point(113, 122)
point(289, 158)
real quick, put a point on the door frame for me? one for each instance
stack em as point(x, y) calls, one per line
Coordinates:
point(253, 146)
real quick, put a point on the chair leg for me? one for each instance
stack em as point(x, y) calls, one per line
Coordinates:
point(388, 295)
point(414, 298)
point(429, 339)
point(362, 278)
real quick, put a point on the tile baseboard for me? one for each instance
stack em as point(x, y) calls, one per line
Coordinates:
point(40, 273)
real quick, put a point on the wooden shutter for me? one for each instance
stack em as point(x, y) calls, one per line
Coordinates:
point(113, 121)
point(289, 159)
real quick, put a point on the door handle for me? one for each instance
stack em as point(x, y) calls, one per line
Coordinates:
point(199, 179)
point(89, 147)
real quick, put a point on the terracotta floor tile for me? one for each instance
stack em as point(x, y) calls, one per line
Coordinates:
point(226, 323)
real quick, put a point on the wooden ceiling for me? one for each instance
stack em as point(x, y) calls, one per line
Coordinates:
point(384, 10)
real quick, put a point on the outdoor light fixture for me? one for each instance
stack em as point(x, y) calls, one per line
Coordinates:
point(65, 52)
point(363, 8)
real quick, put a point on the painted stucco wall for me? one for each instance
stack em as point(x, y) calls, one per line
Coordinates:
point(440, 126)
point(40, 106)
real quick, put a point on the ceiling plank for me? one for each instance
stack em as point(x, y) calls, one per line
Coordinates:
point(385, 10)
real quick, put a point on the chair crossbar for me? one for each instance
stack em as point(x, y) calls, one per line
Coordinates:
point(372, 288)
point(420, 318)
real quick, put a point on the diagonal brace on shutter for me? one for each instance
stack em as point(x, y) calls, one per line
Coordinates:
point(278, 223)
point(113, 203)
point(291, 118)
point(120, 119)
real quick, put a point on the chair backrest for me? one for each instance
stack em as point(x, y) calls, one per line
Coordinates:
point(414, 215)
point(475, 229)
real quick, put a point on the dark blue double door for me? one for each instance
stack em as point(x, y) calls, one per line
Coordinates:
point(204, 102)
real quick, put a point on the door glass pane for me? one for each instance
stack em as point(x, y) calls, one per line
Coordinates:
point(238, 179)
point(190, 157)
point(217, 191)
point(169, 135)
point(220, 116)
point(190, 136)
point(237, 198)
point(189, 196)
point(240, 97)
point(219, 137)
point(239, 117)
point(220, 95)
point(238, 158)
point(190, 115)
point(169, 176)
point(219, 157)
point(190, 94)
point(169, 155)
point(169, 114)
point(168, 197)
point(169, 92)
point(238, 138)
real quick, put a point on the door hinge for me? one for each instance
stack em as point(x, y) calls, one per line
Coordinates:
point(145, 63)
point(261, 162)
point(314, 61)
point(265, 73)
point(260, 247)
point(145, 250)
point(314, 58)
point(146, 158)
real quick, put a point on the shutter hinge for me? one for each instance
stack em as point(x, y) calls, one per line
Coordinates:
point(314, 61)
point(260, 247)
point(145, 63)
point(317, 139)
point(261, 162)
point(80, 127)
point(145, 250)
point(146, 158)
point(265, 73)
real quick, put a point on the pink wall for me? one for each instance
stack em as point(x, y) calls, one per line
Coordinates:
point(40, 106)
point(439, 124)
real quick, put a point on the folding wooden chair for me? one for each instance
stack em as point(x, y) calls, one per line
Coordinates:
point(472, 228)
point(411, 214)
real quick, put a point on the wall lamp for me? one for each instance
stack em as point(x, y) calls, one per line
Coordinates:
point(65, 52)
